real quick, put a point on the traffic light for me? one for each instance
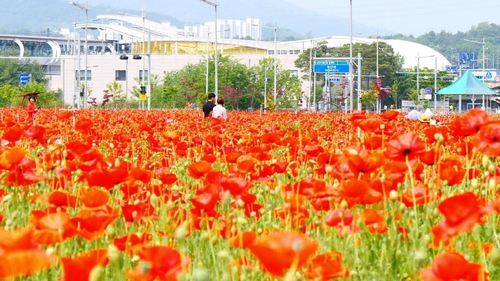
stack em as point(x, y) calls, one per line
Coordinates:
point(401, 74)
point(143, 90)
point(137, 57)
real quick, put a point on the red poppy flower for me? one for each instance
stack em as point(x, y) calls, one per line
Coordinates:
point(83, 125)
point(487, 140)
point(472, 121)
point(404, 146)
point(35, 133)
point(453, 266)
point(60, 198)
point(390, 114)
point(462, 213)
point(279, 251)
point(164, 263)
point(369, 125)
point(12, 134)
point(78, 268)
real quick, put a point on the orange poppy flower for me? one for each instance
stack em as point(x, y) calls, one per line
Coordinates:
point(281, 251)
point(197, 170)
point(325, 266)
point(140, 175)
point(94, 198)
point(453, 266)
point(374, 221)
point(20, 256)
point(404, 146)
point(243, 239)
point(53, 228)
point(358, 192)
point(369, 125)
point(245, 164)
point(64, 114)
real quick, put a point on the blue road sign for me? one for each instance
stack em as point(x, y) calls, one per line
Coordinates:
point(331, 66)
point(428, 90)
point(488, 75)
point(24, 78)
point(334, 79)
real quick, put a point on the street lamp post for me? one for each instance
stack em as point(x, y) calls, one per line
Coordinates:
point(351, 99)
point(484, 44)
point(275, 27)
point(418, 72)
point(86, 9)
point(214, 4)
point(208, 55)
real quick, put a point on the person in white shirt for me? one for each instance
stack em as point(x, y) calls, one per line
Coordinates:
point(219, 110)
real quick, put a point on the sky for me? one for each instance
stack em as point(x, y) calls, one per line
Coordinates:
point(411, 16)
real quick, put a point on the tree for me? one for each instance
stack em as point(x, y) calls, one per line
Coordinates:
point(11, 68)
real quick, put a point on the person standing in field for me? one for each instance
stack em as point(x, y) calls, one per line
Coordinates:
point(209, 105)
point(219, 110)
point(31, 109)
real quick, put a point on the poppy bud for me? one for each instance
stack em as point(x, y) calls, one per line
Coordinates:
point(223, 254)
point(382, 126)
point(485, 161)
point(96, 274)
point(181, 231)
point(344, 204)
point(113, 253)
point(495, 257)
point(491, 168)
point(492, 184)
point(474, 183)
point(439, 138)
point(154, 200)
point(201, 274)
point(420, 256)
point(393, 195)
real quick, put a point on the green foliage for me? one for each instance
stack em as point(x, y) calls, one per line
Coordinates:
point(11, 68)
point(450, 44)
point(368, 99)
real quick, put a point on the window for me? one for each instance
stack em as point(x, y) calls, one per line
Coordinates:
point(146, 74)
point(82, 75)
point(120, 75)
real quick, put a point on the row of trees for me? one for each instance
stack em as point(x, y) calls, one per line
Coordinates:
point(242, 86)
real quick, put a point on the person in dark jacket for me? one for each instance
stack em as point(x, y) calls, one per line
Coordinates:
point(209, 105)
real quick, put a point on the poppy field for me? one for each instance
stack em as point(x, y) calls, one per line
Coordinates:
point(166, 195)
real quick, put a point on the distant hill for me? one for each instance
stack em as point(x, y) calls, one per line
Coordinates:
point(36, 16)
